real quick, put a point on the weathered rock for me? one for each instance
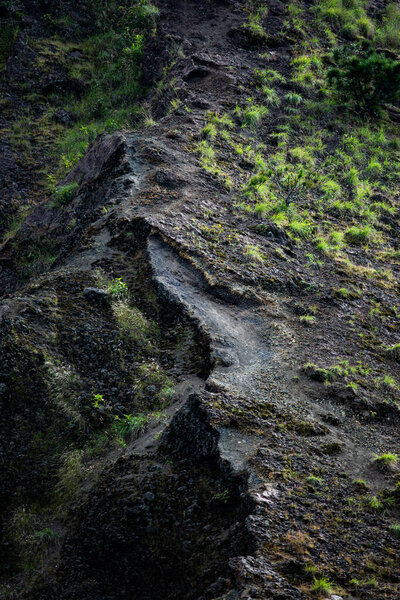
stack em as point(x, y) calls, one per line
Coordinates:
point(96, 295)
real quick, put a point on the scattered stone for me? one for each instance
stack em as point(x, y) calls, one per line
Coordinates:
point(62, 116)
point(96, 295)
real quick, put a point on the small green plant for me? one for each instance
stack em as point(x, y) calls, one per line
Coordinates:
point(307, 319)
point(222, 497)
point(370, 582)
point(270, 96)
point(321, 586)
point(334, 372)
point(124, 426)
point(253, 115)
point(361, 485)
point(117, 288)
point(314, 480)
point(175, 104)
point(133, 324)
point(302, 229)
point(385, 461)
point(395, 529)
point(388, 382)
point(209, 131)
point(393, 351)
point(47, 534)
point(389, 33)
point(375, 503)
point(51, 182)
point(254, 253)
point(293, 98)
point(358, 235)
point(347, 294)
point(254, 27)
point(98, 401)
point(65, 193)
point(349, 15)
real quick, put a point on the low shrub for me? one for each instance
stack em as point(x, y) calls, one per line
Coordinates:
point(365, 77)
point(65, 193)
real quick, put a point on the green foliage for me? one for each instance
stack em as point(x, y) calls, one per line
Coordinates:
point(385, 461)
point(65, 193)
point(132, 323)
point(98, 401)
point(347, 294)
point(253, 114)
point(253, 24)
point(388, 382)
point(209, 131)
point(375, 503)
point(361, 485)
point(222, 497)
point(307, 319)
point(348, 15)
point(395, 529)
point(114, 57)
point(314, 480)
point(48, 534)
point(293, 98)
point(254, 253)
point(117, 288)
point(125, 425)
point(270, 96)
point(334, 372)
point(393, 351)
point(73, 144)
point(365, 77)
point(389, 32)
point(307, 70)
point(370, 582)
point(321, 586)
point(207, 155)
point(302, 229)
point(358, 235)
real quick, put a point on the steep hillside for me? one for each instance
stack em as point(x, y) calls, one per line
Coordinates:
point(199, 314)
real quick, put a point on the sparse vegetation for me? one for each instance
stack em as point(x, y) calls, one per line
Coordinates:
point(321, 586)
point(117, 288)
point(393, 351)
point(65, 193)
point(125, 425)
point(386, 461)
point(395, 529)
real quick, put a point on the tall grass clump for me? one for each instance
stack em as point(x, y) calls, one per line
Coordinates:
point(115, 52)
point(389, 33)
point(349, 15)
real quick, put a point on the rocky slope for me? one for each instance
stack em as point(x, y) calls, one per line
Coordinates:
point(194, 390)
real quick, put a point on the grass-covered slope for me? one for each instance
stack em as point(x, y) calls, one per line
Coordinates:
point(68, 73)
